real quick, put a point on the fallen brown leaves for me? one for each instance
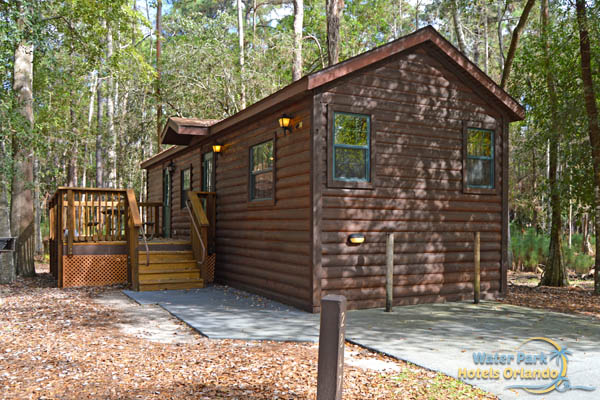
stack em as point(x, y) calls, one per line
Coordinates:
point(59, 344)
point(573, 299)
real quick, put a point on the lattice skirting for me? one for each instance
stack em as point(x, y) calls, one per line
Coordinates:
point(208, 269)
point(97, 270)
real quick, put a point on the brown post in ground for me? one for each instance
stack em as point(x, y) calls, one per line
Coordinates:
point(331, 348)
point(389, 275)
point(476, 278)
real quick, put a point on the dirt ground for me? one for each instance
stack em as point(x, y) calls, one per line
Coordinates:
point(76, 344)
point(523, 290)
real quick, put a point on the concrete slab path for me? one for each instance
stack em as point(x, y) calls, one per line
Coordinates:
point(440, 337)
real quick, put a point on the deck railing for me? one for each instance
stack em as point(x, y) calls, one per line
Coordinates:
point(150, 214)
point(201, 207)
point(93, 215)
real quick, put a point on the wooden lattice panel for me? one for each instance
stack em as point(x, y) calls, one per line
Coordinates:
point(208, 269)
point(97, 270)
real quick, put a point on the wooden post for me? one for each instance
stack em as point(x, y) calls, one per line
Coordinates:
point(331, 348)
point(70, 222)
point(389, 275)
point(476, 278)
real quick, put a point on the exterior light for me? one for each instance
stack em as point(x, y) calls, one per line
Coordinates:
point(285, 121)
point(356, 239)
point(217, 147)
point(171, 167)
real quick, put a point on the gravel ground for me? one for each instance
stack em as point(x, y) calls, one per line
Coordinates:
point(89, 344)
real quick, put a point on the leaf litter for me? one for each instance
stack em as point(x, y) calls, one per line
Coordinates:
point(64, 344)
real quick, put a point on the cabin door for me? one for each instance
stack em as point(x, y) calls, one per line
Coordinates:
point(166, 203)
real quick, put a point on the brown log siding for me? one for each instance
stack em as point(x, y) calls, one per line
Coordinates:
point(420, 108)
point(267, 249)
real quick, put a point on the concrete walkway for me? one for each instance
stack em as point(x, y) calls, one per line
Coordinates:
point(440, 337)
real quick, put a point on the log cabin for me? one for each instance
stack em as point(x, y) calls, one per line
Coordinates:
point(410, 138)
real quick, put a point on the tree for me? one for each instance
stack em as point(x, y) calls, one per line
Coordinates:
point(298, 21)
point(242, 52)
point(334, 13)
point(514, 42)
point(555, 273)
point(592, 119)
point(22, 214)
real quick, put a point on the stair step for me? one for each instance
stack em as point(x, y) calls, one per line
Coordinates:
point(166, 256)
point(186, 284)
point(166, 246)
point(171, 266)
point(169, 277)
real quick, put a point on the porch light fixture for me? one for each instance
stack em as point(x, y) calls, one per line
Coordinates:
point(171, 167)
point(217, 148)
point(285, 121)
point(356, 239)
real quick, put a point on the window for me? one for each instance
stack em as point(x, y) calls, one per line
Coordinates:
point(479, 165)
point(350, 148)
point(351, 157)
point(186, 184)
point(208, 184)
point(261, 171)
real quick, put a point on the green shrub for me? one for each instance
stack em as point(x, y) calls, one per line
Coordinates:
point(530, 249)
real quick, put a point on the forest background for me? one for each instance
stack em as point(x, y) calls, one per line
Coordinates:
point(86, 85)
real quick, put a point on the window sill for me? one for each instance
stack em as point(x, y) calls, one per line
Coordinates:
point(475, 190)
point(350, 184)
point(260, 203)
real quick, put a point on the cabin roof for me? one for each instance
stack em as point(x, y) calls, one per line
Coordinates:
point(426, 36)
point(163, 155)
point(180, 131)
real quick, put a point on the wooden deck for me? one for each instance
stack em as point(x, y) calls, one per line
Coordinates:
point(103, 236)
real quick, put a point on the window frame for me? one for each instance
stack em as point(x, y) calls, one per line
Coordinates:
point(183, 194)
point(262, 202)
point(476, 189)
point(371, 146)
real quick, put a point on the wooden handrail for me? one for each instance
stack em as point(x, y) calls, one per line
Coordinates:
point(133, 208)
point(197, 208)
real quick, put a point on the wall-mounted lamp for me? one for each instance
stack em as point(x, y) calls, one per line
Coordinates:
point(217, 148)
point(285, 122)
point(356, 239)
point(171, 167)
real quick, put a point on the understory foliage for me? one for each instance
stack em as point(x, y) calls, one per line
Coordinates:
point(530, 251)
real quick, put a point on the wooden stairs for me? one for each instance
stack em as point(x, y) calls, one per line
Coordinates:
point(168, 265)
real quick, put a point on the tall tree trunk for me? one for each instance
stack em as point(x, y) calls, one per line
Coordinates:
point(512, 50)
point(555, 273)
point(72, 165)
point(37, 211)
point(298, 21)
point(502, 5)
point(99, 136)
point(486, 42)
point(460, 36)
point(334, 13)
point(8, 272)
point(158, 51)
point(110, 114)
point(22, 214)
point(591, 108)
point(585, 233)
point(242, 54)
